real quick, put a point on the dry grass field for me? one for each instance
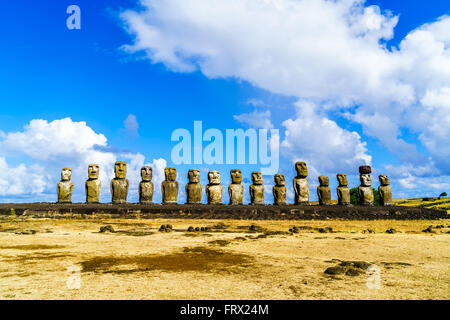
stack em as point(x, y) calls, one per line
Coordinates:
point(40, 258)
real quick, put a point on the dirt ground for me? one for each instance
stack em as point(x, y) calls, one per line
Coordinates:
point(72, 259)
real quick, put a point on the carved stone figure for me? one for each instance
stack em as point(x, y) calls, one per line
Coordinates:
point(235, 188)
point(323, 191)
point(301, 184)
point(146, 186)
point(385, 190)
point(257, 188)
point(169, 187)
point(120, 184)
point(365, 189)
point(65, 186)
point(93, 184)
point(214, 188)
point(194, 188)
point(279, 190)
point(343, 192)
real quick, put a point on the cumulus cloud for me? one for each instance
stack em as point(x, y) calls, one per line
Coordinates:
point(50, 146)
point(332, 54)
point(131, 126)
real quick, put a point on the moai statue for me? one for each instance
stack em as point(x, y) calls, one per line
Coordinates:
point(65, 186)
point(194, 188)
point(257, 188)
point(323, 191)
point(169, 187)
point(365, 189)
point(214, 188)
point(279, 190)
point(301, 185)
point(146, 186)
point(93, 184)
point(120, 184)
point(235, 188)
point(343, 192)
point(385, 190)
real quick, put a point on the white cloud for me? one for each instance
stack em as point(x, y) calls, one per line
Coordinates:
point(330, 53)
point(50, 146)
point(255, 119)
point(131, 126)
point(322, 143)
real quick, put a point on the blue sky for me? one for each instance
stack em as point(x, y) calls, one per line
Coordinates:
point(51, 73)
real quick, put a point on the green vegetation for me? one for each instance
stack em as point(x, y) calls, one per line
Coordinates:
point(354, 197)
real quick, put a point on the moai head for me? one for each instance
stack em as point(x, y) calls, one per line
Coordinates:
point(257, 178)
point(324, 181)
point(214, 177)
point(93, 171)
point(279, 180)
point(66, 174)
point(302, 169)
point(342, 178)
point(170, 173)
point(236, 176)
point(120, 169)
point(384, 180)
point(194, 176)
point(146, 173)
point(364, 176)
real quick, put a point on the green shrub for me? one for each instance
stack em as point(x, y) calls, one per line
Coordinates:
point(354, 197)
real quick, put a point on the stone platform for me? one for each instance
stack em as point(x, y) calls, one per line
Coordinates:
point(204, 211)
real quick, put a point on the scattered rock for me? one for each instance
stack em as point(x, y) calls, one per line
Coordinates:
point(429, 230)
point(165, 228)
point(294, 230)
point(107, 228)
point(371, 231)
point(391, 231)
point(25, 232)
point(353, 272)
point(190, 229)
point(197, 229)
point(349, 268)
point(325, 230)
point(255, 228)
point(335, 270)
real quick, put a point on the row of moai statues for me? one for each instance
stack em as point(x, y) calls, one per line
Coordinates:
point(214, 190)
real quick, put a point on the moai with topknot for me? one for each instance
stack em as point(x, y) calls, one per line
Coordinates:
point(146, 186)
point(169, 187)
point(64, 189)
point(279, 190)
point(323, 191)
point(343, 192)
point(93, 184)
point(385, 190)
point(235, 188)
point(301, 184)
point(194, 188)
point(257, 188)
point(120, 184)
point(214, 188)
point(365, 189)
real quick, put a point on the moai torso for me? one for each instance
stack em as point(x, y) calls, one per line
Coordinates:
point(169, 187)
point(93, 188)
point(119, 190)
point(146, 192)
point(385, 191)
point(146, 186)
point(214, 188)
point(365, 189)
point(257, 189)
point(93, 184)
point(279, 190)
point(119, 185)
point(323, 191)
point(235, 188)
point(194, 188)
point(301, 184)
